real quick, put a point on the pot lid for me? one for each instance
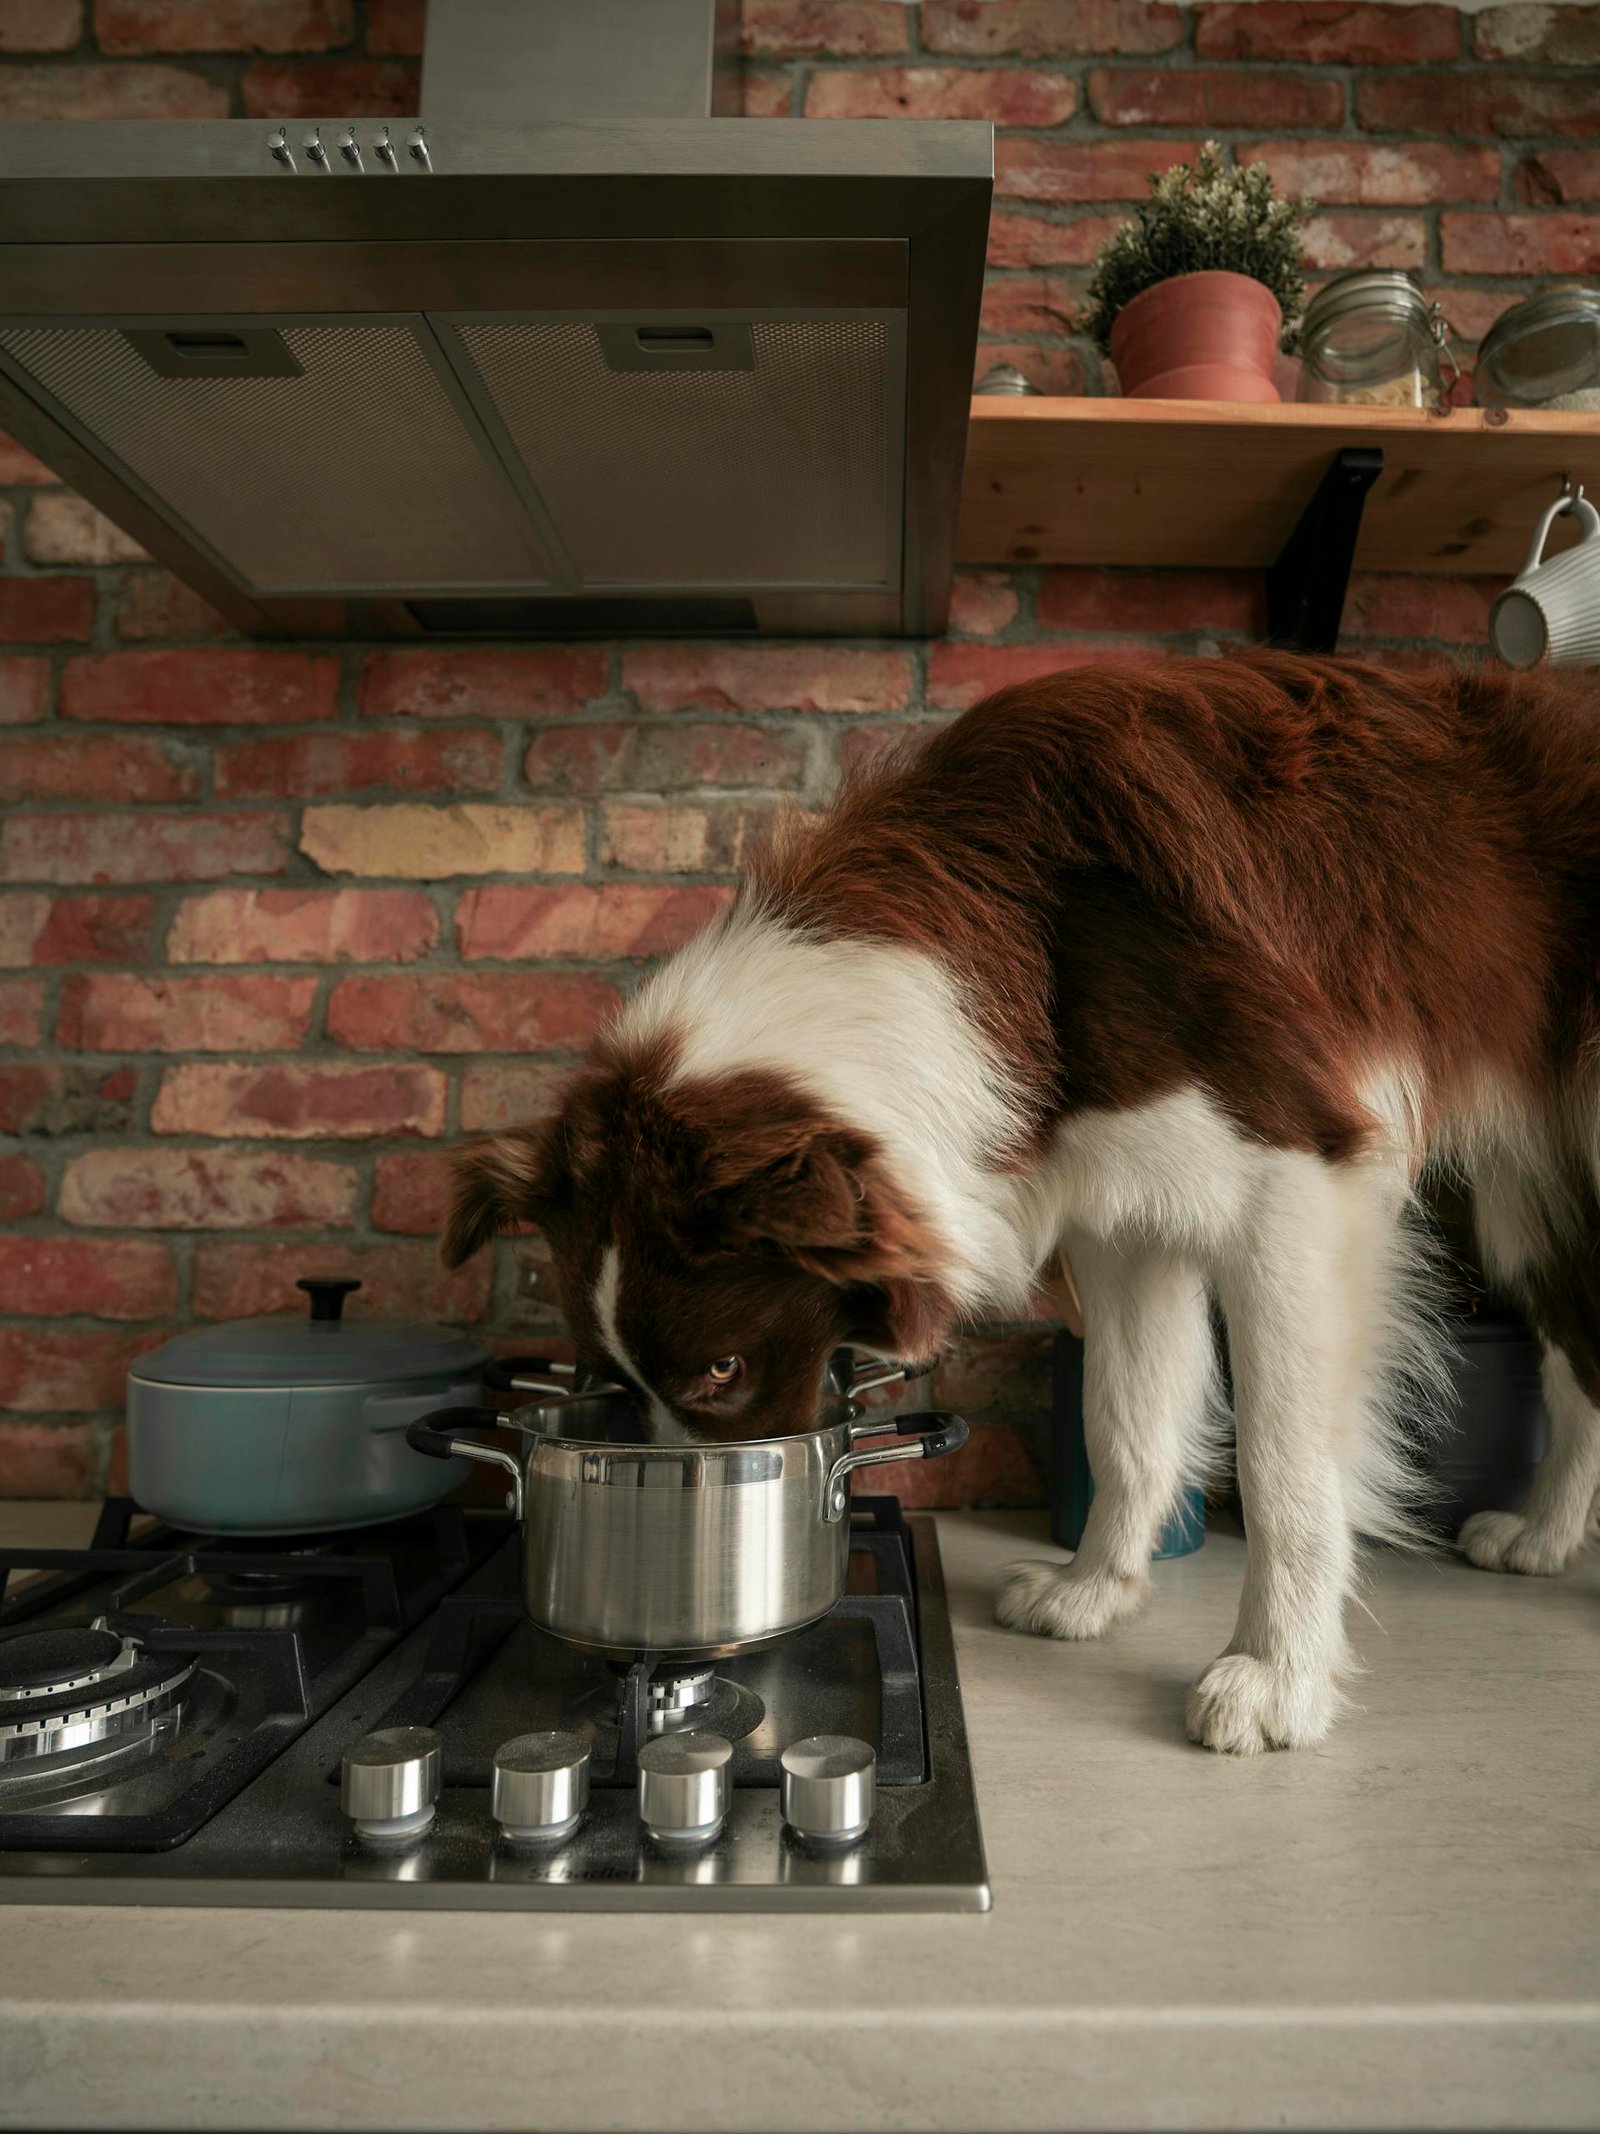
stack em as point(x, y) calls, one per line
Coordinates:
point(319, 1350)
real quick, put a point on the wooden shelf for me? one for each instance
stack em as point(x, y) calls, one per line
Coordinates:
point(1199, 482)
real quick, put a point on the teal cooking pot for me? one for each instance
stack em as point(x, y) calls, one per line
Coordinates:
point(295, 1425)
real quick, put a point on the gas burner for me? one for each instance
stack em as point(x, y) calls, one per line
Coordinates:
point(676, 1692)
point(651, 1701)
point(272, 1598)
point(722, 1707)
point(47, 1663)
point(699, 1696)
point(270, 1582)
point(75, 1684)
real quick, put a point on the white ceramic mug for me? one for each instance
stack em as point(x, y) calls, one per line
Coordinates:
point(1552, 610)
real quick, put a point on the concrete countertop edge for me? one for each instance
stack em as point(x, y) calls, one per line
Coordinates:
point(1299, 1942)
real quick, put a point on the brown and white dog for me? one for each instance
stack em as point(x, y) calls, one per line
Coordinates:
point(1185, 971)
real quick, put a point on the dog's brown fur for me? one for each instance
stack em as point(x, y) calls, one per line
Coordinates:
point(1254, 875)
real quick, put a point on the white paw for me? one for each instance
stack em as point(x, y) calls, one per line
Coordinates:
point(1056, 1600)
point(1242, 1705)
point(1505, 1541)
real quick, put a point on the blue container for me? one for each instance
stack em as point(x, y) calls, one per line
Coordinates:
point(1072, 1485)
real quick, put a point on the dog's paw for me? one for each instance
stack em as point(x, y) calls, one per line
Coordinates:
point(1056, 1600)
point(1242, 1705)
point(1505, 1541)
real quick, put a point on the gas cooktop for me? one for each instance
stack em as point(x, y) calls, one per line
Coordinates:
point(370, 1719)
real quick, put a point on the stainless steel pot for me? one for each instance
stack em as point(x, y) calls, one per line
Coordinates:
point(687, 1552)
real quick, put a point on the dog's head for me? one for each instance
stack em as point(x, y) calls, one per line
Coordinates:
point(714, 1240)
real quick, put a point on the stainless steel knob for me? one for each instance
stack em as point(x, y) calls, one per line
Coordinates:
point(314, 148)
point(389, 1782)
point(541, 1784)
point(684, 1783)
point(828, 1787)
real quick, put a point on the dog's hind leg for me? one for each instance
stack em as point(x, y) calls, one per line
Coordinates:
point(1554, 1524)
point(1546, 1245)
point(1149, 1367)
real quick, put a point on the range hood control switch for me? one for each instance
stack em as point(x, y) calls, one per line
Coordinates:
point(315, 150)
point(279, 149)
point(350, 149)
point(417, 149)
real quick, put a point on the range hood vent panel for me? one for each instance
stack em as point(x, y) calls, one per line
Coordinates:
point(661, 475)
point(359, 472)
point(574, 351)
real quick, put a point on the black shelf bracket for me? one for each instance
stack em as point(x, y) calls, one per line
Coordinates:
point(1307, 584)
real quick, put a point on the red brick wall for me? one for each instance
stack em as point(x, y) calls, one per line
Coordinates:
point(269, 935)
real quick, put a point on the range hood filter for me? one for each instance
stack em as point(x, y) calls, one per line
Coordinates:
point(357, 473)
point(667, 475)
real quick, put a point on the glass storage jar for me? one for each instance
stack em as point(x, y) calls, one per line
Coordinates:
point(1543, 353)
point(1372, 339)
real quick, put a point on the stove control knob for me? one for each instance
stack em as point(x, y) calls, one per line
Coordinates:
point(684, 1783)
point(828, 1788)
point(389, 1782)
point(541, 1786)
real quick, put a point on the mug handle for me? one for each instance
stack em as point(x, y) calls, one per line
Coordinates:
point(437, 1435)
point(936, 1434)
point(1577, 502)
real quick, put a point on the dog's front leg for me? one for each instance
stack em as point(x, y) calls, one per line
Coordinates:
point(1148, 1370)
point(1295, 1360)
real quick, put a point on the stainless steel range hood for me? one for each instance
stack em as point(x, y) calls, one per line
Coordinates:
point(633, 371)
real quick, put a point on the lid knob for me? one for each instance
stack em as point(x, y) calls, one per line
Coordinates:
point(327, 1293)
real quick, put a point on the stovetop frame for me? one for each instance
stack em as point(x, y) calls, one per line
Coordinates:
point(283, 1841)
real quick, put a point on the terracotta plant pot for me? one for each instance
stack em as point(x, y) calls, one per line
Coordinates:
point(1210, 336)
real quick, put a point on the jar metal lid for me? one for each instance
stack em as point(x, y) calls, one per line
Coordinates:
point(1546, 344)
point(1387, 289)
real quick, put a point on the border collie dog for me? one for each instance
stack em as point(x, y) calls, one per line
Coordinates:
point(1184, 972)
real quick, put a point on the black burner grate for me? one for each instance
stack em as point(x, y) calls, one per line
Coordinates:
point(259, 1682)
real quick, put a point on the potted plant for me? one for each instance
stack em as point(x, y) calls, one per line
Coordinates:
point(1194, 296)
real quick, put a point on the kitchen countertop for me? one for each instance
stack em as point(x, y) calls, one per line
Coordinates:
point(1401, 1929)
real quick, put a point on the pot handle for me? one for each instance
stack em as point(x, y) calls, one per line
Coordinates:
point(438, 1436)
point(869, 1378)
point(938, 1433)
point(529, 1374)
point(851, 1379)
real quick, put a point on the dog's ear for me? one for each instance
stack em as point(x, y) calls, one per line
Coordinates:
point(501, 1181)
point(908, 1320)
point(818, 1195)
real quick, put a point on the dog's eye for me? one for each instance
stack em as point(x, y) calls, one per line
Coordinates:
point(725, 1370)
